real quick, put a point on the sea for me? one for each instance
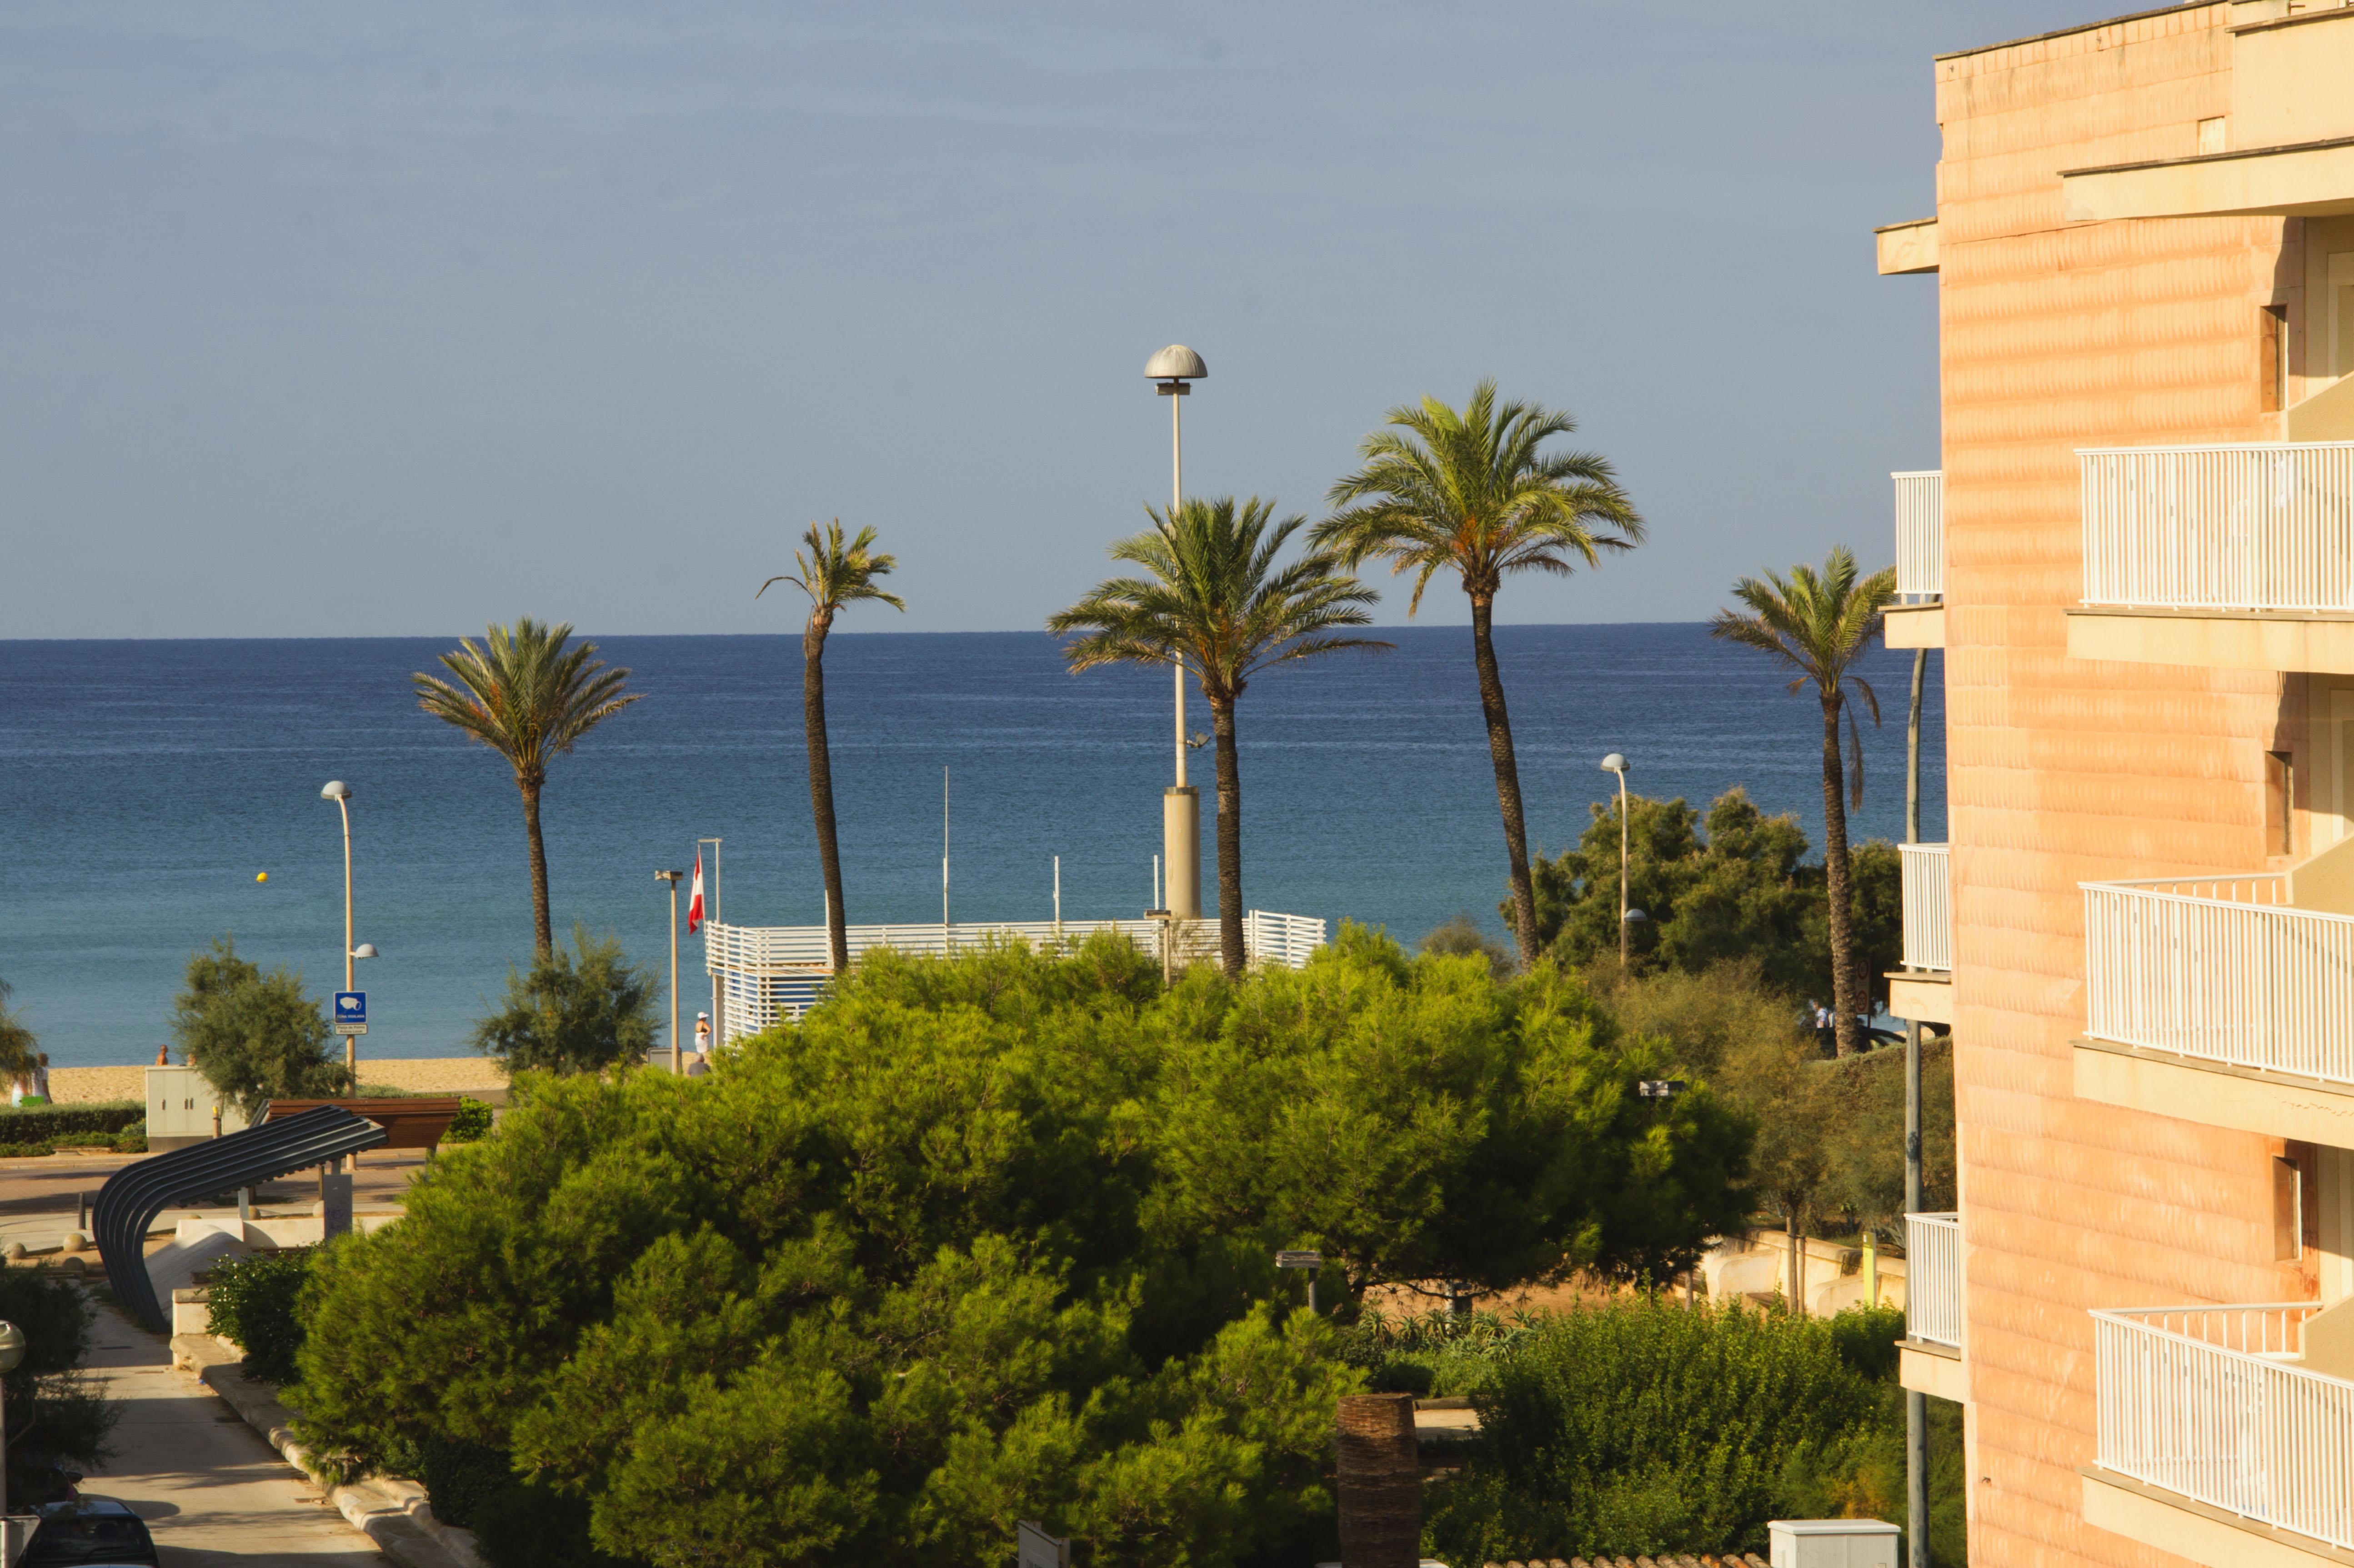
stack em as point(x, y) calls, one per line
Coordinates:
point(155, 796)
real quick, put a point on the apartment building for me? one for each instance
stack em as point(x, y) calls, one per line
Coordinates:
point(2138, 557)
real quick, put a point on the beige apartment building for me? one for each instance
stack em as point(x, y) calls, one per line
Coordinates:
point(2138, 557)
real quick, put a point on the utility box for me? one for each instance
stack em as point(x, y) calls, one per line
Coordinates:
point(1833, 1543)
point(180, 1109)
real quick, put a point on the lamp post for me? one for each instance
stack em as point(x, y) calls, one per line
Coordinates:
point(338, 792)
point(1181, 807)
point(677, 1066)
point(1614, 763)
point(12, 1356)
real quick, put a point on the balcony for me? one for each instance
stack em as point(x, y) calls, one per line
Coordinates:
point(2225, 1000)
point(2220, 1439)
point(1919, 621)
point(1923, 990)
point(2227, 557)
point(1930, 1360)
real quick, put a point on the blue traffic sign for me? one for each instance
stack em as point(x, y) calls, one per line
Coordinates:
point(350, 1006)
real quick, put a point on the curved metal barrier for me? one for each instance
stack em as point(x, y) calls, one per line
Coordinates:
point(134, 1195)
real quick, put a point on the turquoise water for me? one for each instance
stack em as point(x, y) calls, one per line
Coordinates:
point(142, 785)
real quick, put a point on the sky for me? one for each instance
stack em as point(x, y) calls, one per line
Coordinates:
point(382, 319)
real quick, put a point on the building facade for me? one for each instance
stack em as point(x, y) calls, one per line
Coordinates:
point(2139, 562)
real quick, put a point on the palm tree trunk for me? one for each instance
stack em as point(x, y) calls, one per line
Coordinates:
point(542, 934)
point(1837, 892)
point(1230, 841)
point(1508, 775)
point(820, 777)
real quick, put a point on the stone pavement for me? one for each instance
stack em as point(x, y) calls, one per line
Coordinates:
point(210, 1489)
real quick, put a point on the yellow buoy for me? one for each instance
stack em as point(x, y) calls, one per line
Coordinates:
point(260, 876)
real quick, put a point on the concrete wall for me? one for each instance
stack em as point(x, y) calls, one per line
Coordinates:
point(2053, 336)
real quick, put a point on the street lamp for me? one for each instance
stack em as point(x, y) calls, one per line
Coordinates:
point(12, 1356)
point(338, 792)
point(677, 1067)
point(1181, 809)
point(1614, 763)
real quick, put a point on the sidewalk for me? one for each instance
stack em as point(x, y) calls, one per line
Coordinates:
point(207, 1485)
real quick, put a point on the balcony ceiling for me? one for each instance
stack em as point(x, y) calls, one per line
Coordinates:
point(2312, 179)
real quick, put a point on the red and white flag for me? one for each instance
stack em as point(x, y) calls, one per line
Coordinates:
point(694, 903)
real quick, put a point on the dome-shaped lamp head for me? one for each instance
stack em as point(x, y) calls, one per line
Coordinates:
point(365, 950)
point(12, 1347)
point(335, 789)
point(1614, 763)
point(1173, 367)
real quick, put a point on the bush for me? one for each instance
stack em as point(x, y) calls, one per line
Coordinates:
point(24, 1151)
point(57, 1421)
point(84, 1140)
point(1438, 1355)
point(254, 1299)
point(132, 1142)
point(47, 1124)
point(580, 1012)
point(472, 1123)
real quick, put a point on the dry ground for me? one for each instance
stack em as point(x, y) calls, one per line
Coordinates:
point(421, 1074)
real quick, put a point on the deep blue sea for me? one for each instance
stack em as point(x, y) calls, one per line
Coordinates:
point(143, 785)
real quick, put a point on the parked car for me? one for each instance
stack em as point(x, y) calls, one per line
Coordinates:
point(89, 1533)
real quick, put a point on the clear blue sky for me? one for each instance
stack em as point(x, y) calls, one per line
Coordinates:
point(375, 318)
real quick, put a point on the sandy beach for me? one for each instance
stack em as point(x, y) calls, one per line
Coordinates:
point(425, 1075)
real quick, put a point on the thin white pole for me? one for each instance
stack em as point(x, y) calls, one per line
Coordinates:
point(677, 1064)
point(351, 980)
point(1177, 499)
point(944, 859)
point(1058, 898)
point(1156, 881)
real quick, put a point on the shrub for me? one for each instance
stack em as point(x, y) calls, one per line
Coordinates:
point(45, 1124)
point(580, 1012)
point(1436, 1355)
point(56, 1421)
point(253, 1306)
point(24, 1151)
point(84, 1140)
point(1640, 1427)
point(131, 1142)
point(472, 1123)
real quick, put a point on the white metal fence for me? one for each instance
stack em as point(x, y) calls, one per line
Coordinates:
point(771, 972)
point(1920, 534)
point(1927, 887)
point(2206, 1402)
point(1933, 1279)
point(2218, 968)
point(2221, 528)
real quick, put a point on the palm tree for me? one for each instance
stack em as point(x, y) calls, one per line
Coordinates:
point(1471, 492)
point(1818, 624)
point(1217, 600)
point(835, 575)
point(527, 697)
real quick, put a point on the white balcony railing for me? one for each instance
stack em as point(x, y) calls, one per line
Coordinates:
point(771, 972)
point(2208, 1403)
point(1928, 895)
point(1920, 534)
point(2222, 970)
point(2266, 527)
point(1933, 1279)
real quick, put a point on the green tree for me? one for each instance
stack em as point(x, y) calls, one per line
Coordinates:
point(529, 698)
point(1217, 599)
point(1473, 492)
point(580, 1012)
point(256, 1037)
point(56, 1419)
point(20, 1050)
point(835, 575)
point(1819, 624)
point(989, 1239)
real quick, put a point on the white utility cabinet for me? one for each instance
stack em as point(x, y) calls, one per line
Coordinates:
point(1832, 1544)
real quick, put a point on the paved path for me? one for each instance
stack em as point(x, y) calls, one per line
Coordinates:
point(210, 1490)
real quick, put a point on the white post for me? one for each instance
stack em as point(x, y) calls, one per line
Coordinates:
point(351, 982)
point(1058, 898)
point(944, 862)
point(1156, 881)
point(677, 1062)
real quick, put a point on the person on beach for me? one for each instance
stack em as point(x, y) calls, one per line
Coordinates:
point(698, 1061)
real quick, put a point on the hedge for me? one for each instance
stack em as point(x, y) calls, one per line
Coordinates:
point(38, 1123)
point(252, 1305)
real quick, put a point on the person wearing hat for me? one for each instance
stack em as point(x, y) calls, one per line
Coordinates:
point(699, 1062)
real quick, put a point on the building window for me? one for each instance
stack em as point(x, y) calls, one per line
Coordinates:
point(2280, 796)
point(2288, 1206)
point(2272, 357)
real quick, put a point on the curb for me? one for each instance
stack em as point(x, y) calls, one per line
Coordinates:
point(391, 1511)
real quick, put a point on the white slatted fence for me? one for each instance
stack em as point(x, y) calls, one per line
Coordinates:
point(1933, 1279)
point(1927, 884)
point(1920, 534)
point(2246, 527)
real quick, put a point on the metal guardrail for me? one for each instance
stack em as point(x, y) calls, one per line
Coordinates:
point(135, 1194)
point(772, 973)
point(2265, 527)
point(1933, 1279)
point(1926, 872)
point(1920, 534)
point(2208, 1402)
point(2220, 969)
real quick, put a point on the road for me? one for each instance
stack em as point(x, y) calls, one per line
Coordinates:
point(210, 1489)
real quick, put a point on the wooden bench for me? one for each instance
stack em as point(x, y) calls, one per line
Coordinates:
point(409, 1122)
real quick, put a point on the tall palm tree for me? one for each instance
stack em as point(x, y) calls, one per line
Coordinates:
point(835, 575)
point(1217, 599)
point(529, 698)
point(1818, 623)
point(1471, 492)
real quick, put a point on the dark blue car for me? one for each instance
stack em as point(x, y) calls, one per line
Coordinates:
point(87, 1533)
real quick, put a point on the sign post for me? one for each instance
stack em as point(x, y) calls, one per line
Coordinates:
point(1311, 1262)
